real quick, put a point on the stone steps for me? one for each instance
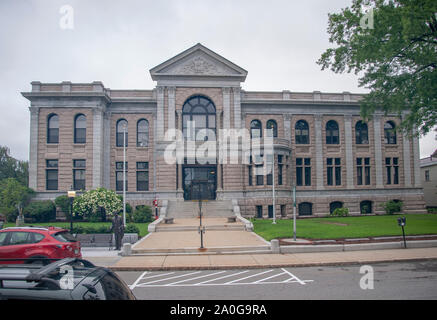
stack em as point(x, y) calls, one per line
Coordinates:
point(190, 209)
point(204, 251)
point(223, 227)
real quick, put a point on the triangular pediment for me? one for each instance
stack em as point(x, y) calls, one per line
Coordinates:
point(198, 61)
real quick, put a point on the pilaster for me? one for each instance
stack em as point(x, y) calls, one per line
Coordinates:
point(160, 113)
point(33, 150)
point(319, 151)
point(226, 108)
point(378, 150)
point(349, 153)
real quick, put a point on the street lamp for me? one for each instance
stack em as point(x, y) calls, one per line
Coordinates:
point(71, 195)
point(124, 172)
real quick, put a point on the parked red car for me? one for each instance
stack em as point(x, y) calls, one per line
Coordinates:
point(38, 243)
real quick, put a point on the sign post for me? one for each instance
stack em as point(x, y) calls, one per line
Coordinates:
point(402, 222)
point(294, 213)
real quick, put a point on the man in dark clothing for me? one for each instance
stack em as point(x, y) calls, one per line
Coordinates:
point(118, 230)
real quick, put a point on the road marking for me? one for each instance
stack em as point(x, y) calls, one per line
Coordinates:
point(204, 276)
point(157, 275)
point(138, 280)
point(229, 275)
point(180, 276)
point(251, 276)
point(275, 275)
point(293, 277)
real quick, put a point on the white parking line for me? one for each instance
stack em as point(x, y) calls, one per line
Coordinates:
point(251, 276)
point(204, 276)
point(275, 275)
point(293, 277)
point(180, 276)
point(157, 275)
point(229, 275)
point(138, 280)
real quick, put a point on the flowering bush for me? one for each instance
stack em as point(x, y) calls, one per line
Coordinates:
point(89, 204)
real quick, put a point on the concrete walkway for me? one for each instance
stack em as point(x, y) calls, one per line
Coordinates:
point(180, 262)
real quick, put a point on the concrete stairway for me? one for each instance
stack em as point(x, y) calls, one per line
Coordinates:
point(190, 209)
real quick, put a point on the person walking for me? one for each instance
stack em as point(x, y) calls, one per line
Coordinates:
point(118, 230)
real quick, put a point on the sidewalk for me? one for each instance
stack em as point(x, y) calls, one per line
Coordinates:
point(180, 262)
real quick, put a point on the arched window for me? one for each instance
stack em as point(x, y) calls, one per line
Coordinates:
point(255, 129)
point(334, 205)
point(53, 128)
point(302, 132)
point(142, 133)
point(361, 133)
point(389, 132)
point(198, 115)
point(121, 128)
point(80, 129)
point(272, 125)
point(366, 206)
point(305, 209)
point(332, 132)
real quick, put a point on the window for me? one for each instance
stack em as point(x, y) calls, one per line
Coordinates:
point(333, 171)
point(122, 126)
point(283, 210)
point(119, 176)
point(303, 171)
point(80, 129)
point(142, 133)
point(53, 129)
point(366, 207)
point(392, 170)
point(249, 172)
point(51, 174)
point(198, 115)
point(272, 125)
point(79, 174)
point(270, 211)
point(259, 172)
point(335, 205)
point(427, 179)
point(389, 132)
point(332, 132)
point(305, 209)
point(280, 169)
point(255, 129)
point(259, 211)
point(361, 133)
point(142, 176)
point(302, 133)
point(363, 171)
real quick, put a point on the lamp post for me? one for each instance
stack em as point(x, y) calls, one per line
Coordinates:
point(294, 212)
point(71, 195)
point(124, 174)
point(273, 189)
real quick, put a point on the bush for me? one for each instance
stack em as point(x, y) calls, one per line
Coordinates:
point(340, 212)
point(142, 214)
point(63, 202)
point(131, 228)
point(392, 206)
point(40, 211)
point(91, 229)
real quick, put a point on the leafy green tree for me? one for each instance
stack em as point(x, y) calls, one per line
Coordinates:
point(13, 197)
point(393, 47)
point(12, 168)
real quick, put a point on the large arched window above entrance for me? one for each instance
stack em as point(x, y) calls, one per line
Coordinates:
point(198, 117)
point(272, 125)
point(255, 129)
point(302, 133)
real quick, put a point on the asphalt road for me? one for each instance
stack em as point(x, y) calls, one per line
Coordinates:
point(409, 280)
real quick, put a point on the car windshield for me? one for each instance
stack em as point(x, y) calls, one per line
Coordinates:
point(64, 236)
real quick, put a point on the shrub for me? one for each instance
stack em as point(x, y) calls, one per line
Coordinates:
point(40, 211)
point(131, 228)
point(391, 206)
point(340, 212)
point(63, 202)
point(142, 214)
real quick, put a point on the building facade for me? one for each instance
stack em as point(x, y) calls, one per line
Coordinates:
point(428, 168)
point(79, 133)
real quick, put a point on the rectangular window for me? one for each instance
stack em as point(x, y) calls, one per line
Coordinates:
point(333, 171)
point(51, 174)
point(280, 166)
point(427, 179)
point(119, 176)
point(392, 170)
point(270, 211)
point(142, 176)
point(259, 175)
point(249, 172)
point(303, 171)
point(395, 171)
point(259, 211)
point(79, 174)
point(363, 171)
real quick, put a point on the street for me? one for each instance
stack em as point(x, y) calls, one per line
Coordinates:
point(406, 280)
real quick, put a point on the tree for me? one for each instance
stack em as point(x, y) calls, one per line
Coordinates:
point(92, 201)
point(13, 197)
point(393, 46)
point(12, 168)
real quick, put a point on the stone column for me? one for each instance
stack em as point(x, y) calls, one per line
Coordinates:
point(33, 148)
point(226, 108)
point(287, 127)
point(171, 107)
point(237, 107)
point(160, 114)
point(107, 129)
point(416, 163)
point(349, 153)
point(378, 150)
point(319, 151)
point(97, 147)
point(407, 157)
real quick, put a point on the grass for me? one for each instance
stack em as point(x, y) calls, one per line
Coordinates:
point(347, 227)
point(141, 226)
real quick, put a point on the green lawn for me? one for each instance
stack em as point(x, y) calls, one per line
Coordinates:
point(141, 226)
point(347, 227)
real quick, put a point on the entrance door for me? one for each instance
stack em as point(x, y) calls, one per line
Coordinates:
point(200, 182)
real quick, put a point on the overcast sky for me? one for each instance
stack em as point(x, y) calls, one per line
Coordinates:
point(118, 42)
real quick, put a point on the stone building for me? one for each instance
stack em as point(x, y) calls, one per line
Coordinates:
point(320, 143)
point(428, 167)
